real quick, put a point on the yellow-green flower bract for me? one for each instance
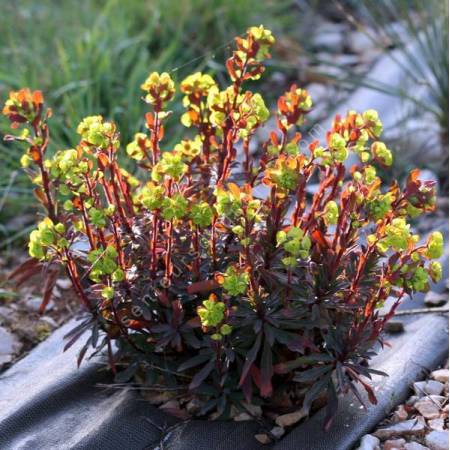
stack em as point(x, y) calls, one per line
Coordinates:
point(174, 207)
point(398, 236)
point(235, 283)
point(338, 147)
point(201, 214)
point(159, 87)
point(294, 242)
point(435, 245)
point(172, 164)
point(331, 213)
point(103, 262)
point(211, 313)
point(46, 236)
point(381, 152)
point(97, 132)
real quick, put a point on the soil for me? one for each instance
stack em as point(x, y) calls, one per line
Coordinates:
point(21, 323)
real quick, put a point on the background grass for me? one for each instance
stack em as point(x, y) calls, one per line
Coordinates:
point(90, 57)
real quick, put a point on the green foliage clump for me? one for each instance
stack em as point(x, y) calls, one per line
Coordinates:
point(293, 284)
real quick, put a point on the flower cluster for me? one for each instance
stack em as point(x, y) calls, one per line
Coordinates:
point(218, 269)
point(23, 106)
point(47, 237)
point(296, 244)
point(160, 89)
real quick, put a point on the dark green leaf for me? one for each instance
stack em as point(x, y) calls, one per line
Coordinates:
point(200, 376)
point(312, 374)
point(250, 359)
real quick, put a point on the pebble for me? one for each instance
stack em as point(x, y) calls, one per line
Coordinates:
point(64, 283)
point(439, 399)
point(157, 398)
point(415, 446)
point(427, 409)
point(171, 404)
point(440, 375)
point(242, 417)
point(411, 400)
point(9, 345)
point(369, 442)
point(395, 444)
point(253, 410)
point(263, 438)
point(436, 424)
point(193, 406)
point(34, 303)
point(394, 326)
point(277, 432)
point(400, 414)
point(430, 387)
point(437, 440)
point(434, 299)
point(346, 59)
point(286, 420)
point(360, 42)
point(329, 35)
point(406, 428)
point(332, 40)
point(5, 313)
point(49, 321)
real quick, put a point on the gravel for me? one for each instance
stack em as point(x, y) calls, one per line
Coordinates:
point(437, 440)
point(421, 423)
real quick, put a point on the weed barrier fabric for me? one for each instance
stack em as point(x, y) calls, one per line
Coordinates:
point(47, 403)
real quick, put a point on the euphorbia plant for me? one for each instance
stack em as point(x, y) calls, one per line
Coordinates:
point(209, 288)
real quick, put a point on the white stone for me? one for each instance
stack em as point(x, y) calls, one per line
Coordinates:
point(400, 414)
point(242, 417)
point(369, 442)
point(263, 438)
point(360, 42)
point(277, 432)
point(330, 35)
point(434, 387)
point(34, 303)
point(287, 420)
point(411, 400)
point(49, 321)
point(253, 410)
point(415, 446)
point(438, 399)
point(427, 409)
point(437, 440)
point(430, 387)
point(64, 283)
point(171, 404)
point(193, 406)
point(9, 345)
point(331, 40)
point(436, 424)
point(5, 313)
point(440, 375)
point(394, 444)
point(406, 428)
